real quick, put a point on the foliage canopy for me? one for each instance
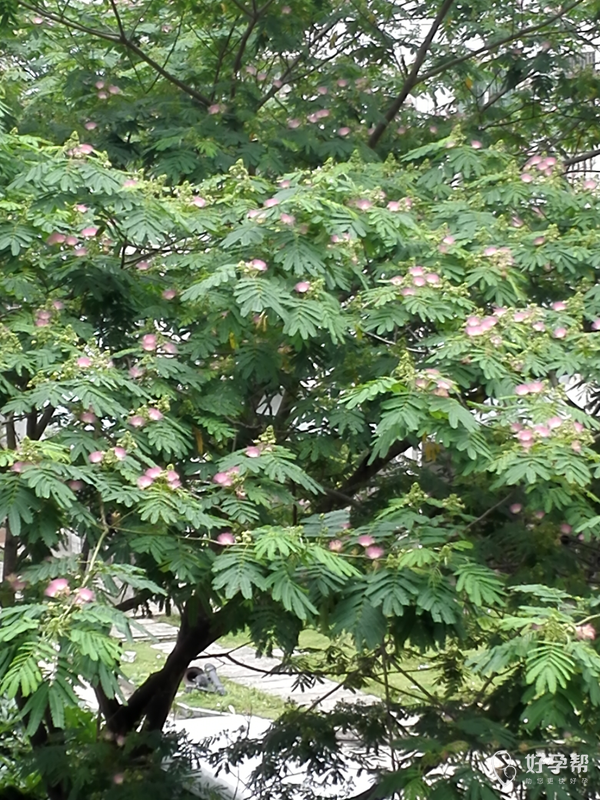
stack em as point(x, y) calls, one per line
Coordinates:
point(299, 327)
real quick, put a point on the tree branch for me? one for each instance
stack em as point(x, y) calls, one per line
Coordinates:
point(361, 476)
point(432, 73)
point(134, 602)
point(244, 41)
point(43, 422)
point(121, 39)
point(154, 698)
point(569, 162)
point(494, 45)
point(411, 80)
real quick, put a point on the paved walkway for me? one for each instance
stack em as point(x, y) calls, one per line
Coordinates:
point(246, 668)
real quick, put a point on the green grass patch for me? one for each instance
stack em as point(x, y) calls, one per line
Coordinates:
point(418, 678)
point(242, 699)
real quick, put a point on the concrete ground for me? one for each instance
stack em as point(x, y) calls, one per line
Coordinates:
point(243, 666)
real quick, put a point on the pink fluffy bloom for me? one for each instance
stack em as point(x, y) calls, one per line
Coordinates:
point(18, 466)
point(56, 238)
point(294, 123)
point(476, 145)
point(222, 479)
point(596, 325)
point(521, 316)
point(448, 240)
point(99, 84)
point(96, 457)
point(114, 90)
point(287, 219)
point(589, 185)
point(83, 595)
point(559, 333)
point(342, 83)
point(102, 95)
point(522, 389)
point(576, 447)
point(226, 538)
point(374, 552)
point(84, 361)
point(578, 427)
point(419, 281)
point(57, 586)
point(539, 514)
point(564, 528)
point(542, 431)
point(215, 108)
point(137, 421)
point(474, 330)
point(363, 204)
point(365, 540)
point(526, 177)
point(560, 305)
point(169, 294)
point(253, 451)
point(153, 473)
point(554, 422)
point(71, 241)
point(129, 183)
point(258, 264)
point(88, 417)
point(120, 453)
point(585, 632)
point(170, 348)
point(408, 291)
point(271, 202)
point(344, 131)
point(335, 545)
point(149, 342)
point(539, 240)
point(199, 202)
point(538, 326)
point(516, 508)
point(90, 126)
point(89, 232)
point(416, 271)
point(536, 387)
point(490, 251)
point(75, 486)
point(144, 482)
point(136, 372)
point(525, 436)
point(302, 287)
point(393, 205)
point(396, 280)
point(517, 222)
point(155, 414)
